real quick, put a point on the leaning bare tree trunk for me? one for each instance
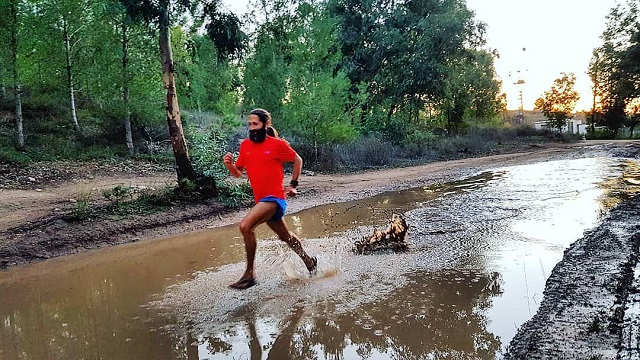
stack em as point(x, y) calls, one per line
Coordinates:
point(16, 77)
point(183, 163)
point(125, 87)
point(72, 99)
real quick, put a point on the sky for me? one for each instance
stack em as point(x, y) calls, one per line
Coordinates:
point(537, 41)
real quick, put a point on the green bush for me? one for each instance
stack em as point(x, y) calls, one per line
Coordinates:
point(600, 134)
point(318, 158)
point(9, 154)
point(366, 152)
point(234, 194)
point(418, 143)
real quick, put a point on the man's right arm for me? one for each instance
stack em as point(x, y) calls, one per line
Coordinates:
point(233, 169)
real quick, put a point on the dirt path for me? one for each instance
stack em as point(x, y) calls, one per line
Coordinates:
point(32, 201)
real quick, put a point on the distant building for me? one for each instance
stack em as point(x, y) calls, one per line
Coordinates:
point(573, 126)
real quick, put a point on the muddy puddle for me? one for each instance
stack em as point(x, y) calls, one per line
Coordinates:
point(481, 251)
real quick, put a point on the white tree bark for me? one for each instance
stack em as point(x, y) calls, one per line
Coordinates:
point(72, 100)
point(125, 88)
point(16, 77)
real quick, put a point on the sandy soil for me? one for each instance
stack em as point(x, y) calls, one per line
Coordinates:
point(588, 300)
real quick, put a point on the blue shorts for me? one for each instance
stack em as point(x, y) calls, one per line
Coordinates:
point(282, 206)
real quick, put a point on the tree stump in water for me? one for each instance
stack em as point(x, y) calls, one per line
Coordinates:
point(393, 238)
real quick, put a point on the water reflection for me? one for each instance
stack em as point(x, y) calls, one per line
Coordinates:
point(435, 315)
point(620, 188)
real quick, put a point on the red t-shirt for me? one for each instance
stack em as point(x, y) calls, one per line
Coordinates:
point(263, 162)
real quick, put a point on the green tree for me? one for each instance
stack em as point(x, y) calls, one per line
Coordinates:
point(316, 105)
point(67, 21)
point(471, 90)
point(615, 71)
point(558, 103)
point(405, 53)
point(135, 99)
point(208, 83)
point(112, 51)
point(265, 74)
point(161, 14)
point(11, 30)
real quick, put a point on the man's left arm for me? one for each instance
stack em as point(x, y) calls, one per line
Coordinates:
point(295, 175)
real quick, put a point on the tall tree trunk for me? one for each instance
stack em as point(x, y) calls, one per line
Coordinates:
point(72, 99)
point(392, 109)
point(125, 87)
point(3, 89)
point(183, 163)
point(16, 76)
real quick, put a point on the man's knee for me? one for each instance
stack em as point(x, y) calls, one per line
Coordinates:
point(245, 227)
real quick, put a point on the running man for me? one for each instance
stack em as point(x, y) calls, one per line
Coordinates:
point(262, 156)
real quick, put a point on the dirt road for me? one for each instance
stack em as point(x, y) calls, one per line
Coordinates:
point(33, 201)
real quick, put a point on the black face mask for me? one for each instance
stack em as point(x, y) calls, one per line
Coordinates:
point(258, 135)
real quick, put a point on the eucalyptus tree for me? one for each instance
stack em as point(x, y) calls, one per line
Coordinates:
point(160, 15)
point(10, 30)
point(67, 20)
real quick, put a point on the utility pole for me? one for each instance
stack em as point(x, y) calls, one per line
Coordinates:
point(519, 82)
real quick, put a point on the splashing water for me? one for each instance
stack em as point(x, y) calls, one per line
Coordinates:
point(328, 265)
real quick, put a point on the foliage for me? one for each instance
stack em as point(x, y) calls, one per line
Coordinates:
point(365, 152)
point(118, 194)
point(265, 73)
point(208, 141)
point(314, 108)
point(348, 82)
point(123, 201)
point(472, 91)
point(82, 209)
point(558, 103)
point(224, 30)
point(600, 134)
point(234, 195)
point(614, 67)
point(409, 55)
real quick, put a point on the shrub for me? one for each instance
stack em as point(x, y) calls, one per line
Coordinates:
point(418, 143)
point(319, 158)
point(366, 152)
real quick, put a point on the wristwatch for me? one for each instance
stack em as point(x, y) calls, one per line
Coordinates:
point(293, 183)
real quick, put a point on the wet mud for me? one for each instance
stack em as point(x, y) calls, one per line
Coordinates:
point(592, 296)
point(583, 314)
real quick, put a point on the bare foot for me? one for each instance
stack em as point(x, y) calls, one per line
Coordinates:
point(314, 268)
point(243, 284)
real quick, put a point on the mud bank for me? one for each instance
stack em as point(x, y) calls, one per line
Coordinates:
point(587, 311)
